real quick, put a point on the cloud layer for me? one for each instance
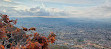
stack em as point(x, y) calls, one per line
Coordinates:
point(101, 11)
point(57, 8)
point(37, 11)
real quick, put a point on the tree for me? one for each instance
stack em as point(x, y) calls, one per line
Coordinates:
point(16, 38)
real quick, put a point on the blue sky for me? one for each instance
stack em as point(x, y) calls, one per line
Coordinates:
point(56, 8)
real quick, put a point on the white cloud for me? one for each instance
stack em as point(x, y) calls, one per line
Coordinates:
point(8, 3)
point(8, 0)
point(37, 11)
point(73, 1)
point(21, 7)
point(4, 10)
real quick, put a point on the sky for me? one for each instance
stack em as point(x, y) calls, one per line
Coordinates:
point(57, 8)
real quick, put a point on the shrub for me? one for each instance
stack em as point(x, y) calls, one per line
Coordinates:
point(16, 38)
